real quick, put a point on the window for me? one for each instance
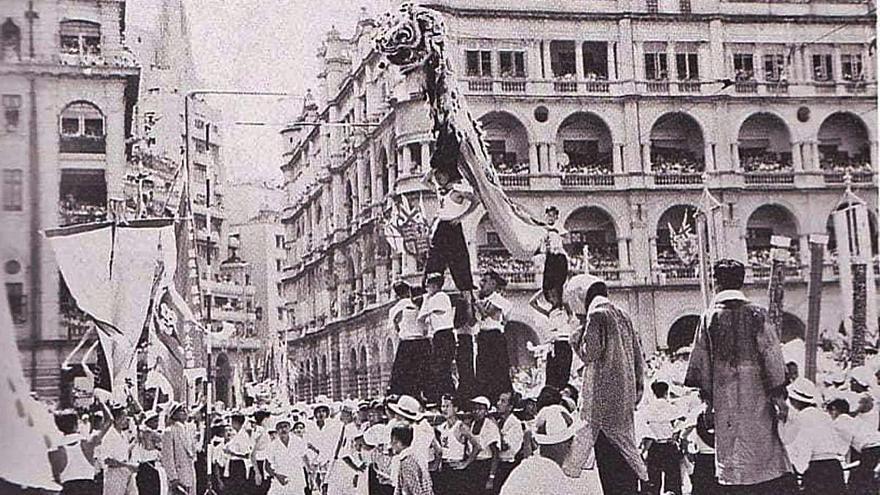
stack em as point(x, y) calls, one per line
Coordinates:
point(562, 58)
point(279, 241)
point(822, 68)
point(595, 60)
point(774, 67)
point(258, 313)
point(12, 189)
point(498, 152)
point(687, 64)
point(17, 302)
point(851, 67)
point(512, 64)
point(10, 41)
point(415, 151)
point(656, 68)
point(278, 264)
point(479, 63)
point(82, 129)
point(743, 66)
point(80, 37)
point(11, 109)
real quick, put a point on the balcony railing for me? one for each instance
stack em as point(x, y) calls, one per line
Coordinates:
point(514, 180)
point(678, 179)
point(657, 86)
point(856, 86)
point(597, 86)
point(777, 87)
point(513, 86)
point(480, 85)
point(688, 87)
point(746, 86)
point(826, 87)
point(863, 177)
point(565, 86)
point(763, 272)
point(92, 145)
point(769, 178)
point(587, 180)
point(678, 272)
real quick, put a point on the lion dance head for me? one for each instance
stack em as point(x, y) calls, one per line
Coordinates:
point(410, 37)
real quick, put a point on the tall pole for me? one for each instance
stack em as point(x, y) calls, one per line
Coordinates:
point(814, 303)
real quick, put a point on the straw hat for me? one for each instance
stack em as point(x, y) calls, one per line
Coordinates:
point(554, 424)
point(407, 407)
point(803, 390)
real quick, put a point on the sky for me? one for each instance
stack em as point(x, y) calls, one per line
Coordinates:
point(264, 45)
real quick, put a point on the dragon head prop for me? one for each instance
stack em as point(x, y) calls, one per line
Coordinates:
point(410, 37)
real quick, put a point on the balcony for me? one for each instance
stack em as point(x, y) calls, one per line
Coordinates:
point(769, 178)
point(747, 87)
point(565, 86)
point(657, 86)
point(855, 87)
point(832, 176)
point(73, 212)
point(74, 320)
point(509, 86)
point(597, 86)
point(90, 145)
point(677, 273)
point(825, 87)
point(480, 85)
point(763, 272)
point(777, 87)
point(688, 87)
point(678, 179)
point(514, 180)
point(587, 180)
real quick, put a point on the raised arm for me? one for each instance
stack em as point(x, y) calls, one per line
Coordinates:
point(535, 303)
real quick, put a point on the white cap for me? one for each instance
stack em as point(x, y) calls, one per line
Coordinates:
point(554, 424)
point(482, 400)
point(803, 390)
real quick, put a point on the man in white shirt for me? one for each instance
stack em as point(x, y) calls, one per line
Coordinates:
point(262, 440)
point(239, 451)
point(542, 474)
point(862, 439)
point(323, 435)
point(512, 434)
point(493, 362)
point(814, 446)
point(663, 456)
point(286, 458)
point(448, 246)
point(555, 257)
point(482, 472)
point(436, 314)
point(412, 363)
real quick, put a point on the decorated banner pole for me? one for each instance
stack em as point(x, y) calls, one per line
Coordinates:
point(779, 254)
point(814, 303)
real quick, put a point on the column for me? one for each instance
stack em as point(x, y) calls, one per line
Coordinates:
point(814, 156)
point(401, 162)
point(623, 253)
point(671, 68)
point(646, 157)
point(534, 164)
point(626, 64)
point(716, 52)
point(548, 71)
point(612, 62)
point(796, 162)
point(734, 155)
point(872, 150)
point(808, 64)
point(759, 63)
point(867, 66)
point(709, 158)
point(426, 156)
point(804, 253)
point(552, 161)
point(545, 157)
point(338, 201)
point(579, 60)
point(616, 161)
point(835, 64)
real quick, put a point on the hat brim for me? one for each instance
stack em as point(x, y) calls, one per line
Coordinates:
point(406, 413)
point(559, 437)
point(795, 395)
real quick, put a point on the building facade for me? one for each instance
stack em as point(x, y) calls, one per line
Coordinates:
point(69, 85)
point(620, 113)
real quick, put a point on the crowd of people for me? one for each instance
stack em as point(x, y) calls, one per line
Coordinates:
point(844, 163)
point(766, 161)
point(601, 166)
point(675, 161)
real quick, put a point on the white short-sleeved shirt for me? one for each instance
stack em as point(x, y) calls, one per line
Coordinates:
point(409, 327)
point(504, 306)
point(453, 449)
point(513, 435)
point(489, 434)
point(537, 476)
point(560, 325)
point(439, 309)
point(449, 209)
point(287, 460)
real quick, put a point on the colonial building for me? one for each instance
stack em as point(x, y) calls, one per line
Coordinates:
point(68, 87)
point(156, 176)
point(619, 112)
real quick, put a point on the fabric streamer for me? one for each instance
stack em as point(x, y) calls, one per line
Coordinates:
point(414, 39)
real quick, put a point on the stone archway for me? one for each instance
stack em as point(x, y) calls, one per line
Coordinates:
point(681, 333)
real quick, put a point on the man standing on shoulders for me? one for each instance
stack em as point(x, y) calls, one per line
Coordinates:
point(411, 361)
point(436, 314)
point(178, 453)
point(607, 343)
point(738, 367)
point(493, 361)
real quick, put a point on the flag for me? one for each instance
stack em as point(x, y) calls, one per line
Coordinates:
point(25, 436)
point(852, 232)
point(111, 270)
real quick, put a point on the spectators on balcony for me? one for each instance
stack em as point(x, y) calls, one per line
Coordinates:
point(672, 266)
point(761, 258)
point(766, 162)
point(743, 75)
point(600, 259)
point(506, 265)
point(74, 211)
point(675, 161)
point(512, 168)
point(844, 164)
point(600, 166)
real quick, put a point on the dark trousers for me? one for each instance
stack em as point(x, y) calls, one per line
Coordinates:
point(84, 487)
point(442, 356)
point(493, 364)
point(267, 482)
point(502, 473)
point(614, 472)
point(464, 363)
point(555, 272)
point(475, 478)
point(147, 478)
point(201, 465)
point(449, 250)
point(783, 485)
point(824, 478)
point(377, 488)
point(559, 365)
point(237, 482)
point(448, 481)
point(861, 478)
point(411, 369)
point(664, 468)
point(703, 481)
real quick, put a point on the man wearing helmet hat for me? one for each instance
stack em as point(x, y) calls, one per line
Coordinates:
point(738, 366)
point(178, 452)
point(609, 346)
point(411, 368)
point(285, 460)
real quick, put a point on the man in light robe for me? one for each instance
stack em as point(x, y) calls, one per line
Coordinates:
point(179, 453)
point(613, 383)
point(737, 365)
